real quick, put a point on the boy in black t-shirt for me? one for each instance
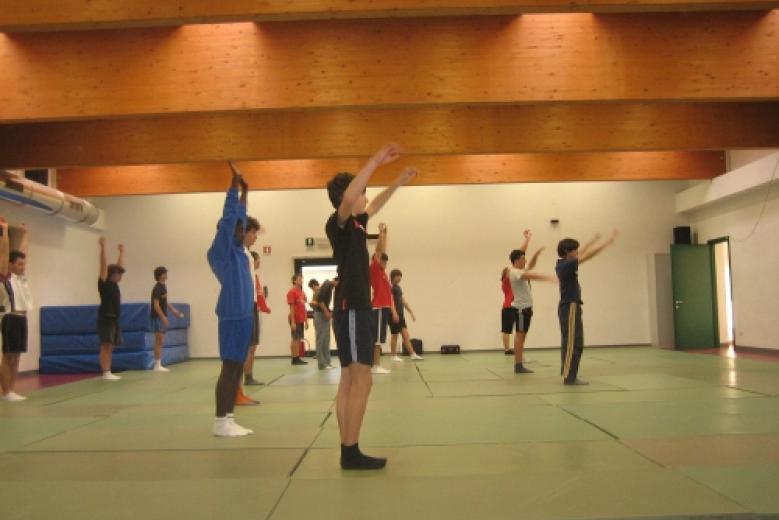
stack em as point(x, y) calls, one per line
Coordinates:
point(159, 315)
point(569, 311)
point(353, 317)
point(110, 307)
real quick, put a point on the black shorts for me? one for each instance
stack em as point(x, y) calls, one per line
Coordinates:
point(298, 332)
point(382, 317)
point(108, 330)
point(397, 328)
point(255, 329)
point(14, 332)
point(355, 336)
point(512, 319)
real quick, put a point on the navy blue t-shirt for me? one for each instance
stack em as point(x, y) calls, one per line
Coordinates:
point(568, 274)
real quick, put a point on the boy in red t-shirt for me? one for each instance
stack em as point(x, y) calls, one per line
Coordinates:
point(297, 318)
point(383, 308)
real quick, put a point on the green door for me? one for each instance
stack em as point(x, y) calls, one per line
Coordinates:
point(695, 304)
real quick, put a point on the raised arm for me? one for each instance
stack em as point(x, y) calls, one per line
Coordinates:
point(103, 261)
point(589, 245)
point(538, 277)
point(381, 244)
point(24, 241)
point(595, 249)
point(378, 202)
point(120, 257)
point(225, 230)
point(533, 259)
point(4, 247)
point(527, 234)
point(386, 155)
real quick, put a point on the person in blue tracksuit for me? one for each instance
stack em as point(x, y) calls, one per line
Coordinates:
point(235, 306)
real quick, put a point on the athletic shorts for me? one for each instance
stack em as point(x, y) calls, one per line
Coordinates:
point(355, 336)
point(234, 337)
point(255, 330)
point(382, 317)
point(157, 325)
point(512, 319)
point(14, 333)
point(108, 330)
point(397, 328)
point(298, 333)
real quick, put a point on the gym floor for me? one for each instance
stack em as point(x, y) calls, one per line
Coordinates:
point(657, 434)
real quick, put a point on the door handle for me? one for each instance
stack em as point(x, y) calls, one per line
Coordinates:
point(678, 301)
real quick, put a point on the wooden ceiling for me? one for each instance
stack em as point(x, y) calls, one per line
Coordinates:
point(153, 96)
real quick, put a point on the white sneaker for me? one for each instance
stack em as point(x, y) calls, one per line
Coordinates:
point(13, 397)
point(226, 427)
point(380, 370)
point(160, 368)
point(397, 358)
point(416, 357)
point(237, 427)
point(110, 376)
point(329, 367)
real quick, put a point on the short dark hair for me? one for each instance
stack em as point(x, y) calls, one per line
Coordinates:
point(337, 186)
point(384, 257)
point(15, 255)
point(294, 276)
point(312, 282)
point(515, 255)
point(252, 224)
point(159, 272)
point(565, 246)
point(395, 272)
point(255, 255)
point(115, 269)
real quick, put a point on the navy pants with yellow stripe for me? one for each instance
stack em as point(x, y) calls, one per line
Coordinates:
point(570, 314)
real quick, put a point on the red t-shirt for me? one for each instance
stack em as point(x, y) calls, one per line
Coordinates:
point(382, 289)
point(508, 294)
point(262, 303)
point(297, 297)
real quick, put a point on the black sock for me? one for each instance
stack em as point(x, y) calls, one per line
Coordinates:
point(353, 458)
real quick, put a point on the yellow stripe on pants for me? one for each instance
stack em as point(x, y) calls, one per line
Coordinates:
point(570, 340)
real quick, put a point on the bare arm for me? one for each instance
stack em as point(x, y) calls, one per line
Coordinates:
point(538, 277)
point(532, 263)
point(598, 248)
point(408, 308)
point(175, 311)
point(159, 312)
point(4, 247)
point(24, 242)
point(103, 261)
point(526, 242)
point(291, 317)
point(381, 244)
point(120, 258)
point(386, 155)
point(589, 245)
point(378, 202)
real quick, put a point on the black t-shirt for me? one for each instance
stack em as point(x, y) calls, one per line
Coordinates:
point(110, 299)
point(350, 251)
point(567, 273)
point(324, 295)
point(160, 292)
point(397, 295)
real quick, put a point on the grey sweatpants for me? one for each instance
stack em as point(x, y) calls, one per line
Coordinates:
point(322, 330)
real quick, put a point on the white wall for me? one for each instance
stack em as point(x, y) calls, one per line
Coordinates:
point(451, 243)
point(755, 278)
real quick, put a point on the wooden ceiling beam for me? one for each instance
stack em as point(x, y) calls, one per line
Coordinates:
point(434, 170)
point(342, 133)
point(390, 62)
point(57, 15)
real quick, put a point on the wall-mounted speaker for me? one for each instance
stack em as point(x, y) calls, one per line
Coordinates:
point(682, 235)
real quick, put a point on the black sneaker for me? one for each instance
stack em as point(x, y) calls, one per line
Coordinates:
point(298, 361)
point(576, 382)
point(509, 352)
point(520, 369)
point(363, 462)
point(250, 381)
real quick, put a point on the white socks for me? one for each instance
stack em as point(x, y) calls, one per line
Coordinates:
point(158, 366)
point(378, 369)
point(227, 427)
point(108, 376)
point(416, 357)
point(13, 397)
point(397, 358)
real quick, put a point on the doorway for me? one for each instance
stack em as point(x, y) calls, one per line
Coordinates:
point(722, 274)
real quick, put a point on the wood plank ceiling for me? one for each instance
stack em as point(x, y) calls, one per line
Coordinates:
point(154, 96)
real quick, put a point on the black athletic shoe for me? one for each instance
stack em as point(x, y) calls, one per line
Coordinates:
point(520, 369)
point(576, 382)
point(298, 361)
point(509, 352)
point(353, 458)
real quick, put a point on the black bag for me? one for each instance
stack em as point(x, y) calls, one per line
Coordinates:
point(450, 349)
